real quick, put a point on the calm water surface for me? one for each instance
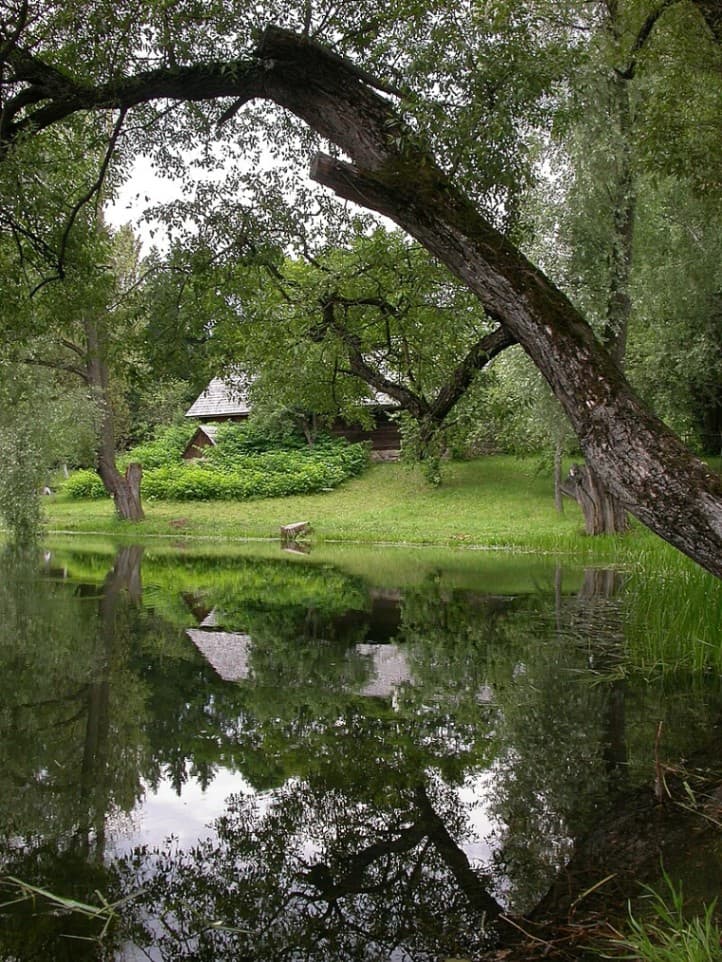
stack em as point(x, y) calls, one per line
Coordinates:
point(361, 756)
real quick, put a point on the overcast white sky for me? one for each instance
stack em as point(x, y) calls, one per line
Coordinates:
point(144, 182)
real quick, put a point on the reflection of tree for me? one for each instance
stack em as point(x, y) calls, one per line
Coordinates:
point(63, 649)
point(363, 844)
point(363, 852)
point(309, 875)
point(70, 700)
point(527, 659)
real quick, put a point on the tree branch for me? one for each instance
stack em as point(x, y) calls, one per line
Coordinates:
point(642, 37)
point(456, 860)
point(92, 191)
point(57, 366)
point(416, 405)
point(481, 354)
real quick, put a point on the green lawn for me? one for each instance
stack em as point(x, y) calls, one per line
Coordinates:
point(498, 501)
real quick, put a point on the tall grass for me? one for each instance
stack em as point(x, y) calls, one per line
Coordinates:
point(665, 934)
point(674, 614)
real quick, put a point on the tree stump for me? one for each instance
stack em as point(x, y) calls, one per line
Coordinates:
point(603, 513)
point(290, 532)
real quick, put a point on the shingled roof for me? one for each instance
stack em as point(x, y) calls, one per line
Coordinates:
point(228, 397)
point(224, 397)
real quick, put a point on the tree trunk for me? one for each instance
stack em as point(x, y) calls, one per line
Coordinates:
point(603, 513)
point(630, 450)
point(124, 489)
point(558, 484)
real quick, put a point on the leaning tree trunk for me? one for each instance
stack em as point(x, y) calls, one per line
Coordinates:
point(123, 488)
point(641, 461)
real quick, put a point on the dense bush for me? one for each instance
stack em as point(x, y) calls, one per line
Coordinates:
point(84, 484)
point(242, 465)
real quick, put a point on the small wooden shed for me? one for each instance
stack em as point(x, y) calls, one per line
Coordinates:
point(204, 437)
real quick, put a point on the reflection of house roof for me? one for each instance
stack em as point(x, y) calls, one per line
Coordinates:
point(222, 398)
point(210, 620)
point(391, 669)
point(229, 654)
point(226, 651)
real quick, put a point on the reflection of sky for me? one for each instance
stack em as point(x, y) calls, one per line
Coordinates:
point(187, 817)
point(473, 794)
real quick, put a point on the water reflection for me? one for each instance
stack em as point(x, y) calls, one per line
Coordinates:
point(407, 761)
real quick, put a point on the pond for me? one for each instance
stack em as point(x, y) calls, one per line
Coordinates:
point(347, 755)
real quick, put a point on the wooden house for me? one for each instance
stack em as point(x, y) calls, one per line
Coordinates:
point(227, 399)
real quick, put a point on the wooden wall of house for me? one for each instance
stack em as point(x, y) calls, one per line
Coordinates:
point(384, 435)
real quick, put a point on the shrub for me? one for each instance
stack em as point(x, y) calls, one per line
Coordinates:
point(84, 484)
point(244, 464)
point(167, 447)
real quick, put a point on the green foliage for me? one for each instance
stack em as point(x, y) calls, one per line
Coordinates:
point(233, 442)
point(244, 464)
point(37, 429)
point(165, 448)
point(24, 471)
point(295, 322)
point(84, 484)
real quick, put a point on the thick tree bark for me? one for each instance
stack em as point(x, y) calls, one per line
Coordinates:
point(641, 461)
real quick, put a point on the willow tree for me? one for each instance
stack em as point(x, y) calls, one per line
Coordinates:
point(387, 164)
point(80, 334)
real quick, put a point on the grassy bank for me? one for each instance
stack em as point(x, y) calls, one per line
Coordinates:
point(495, 502)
